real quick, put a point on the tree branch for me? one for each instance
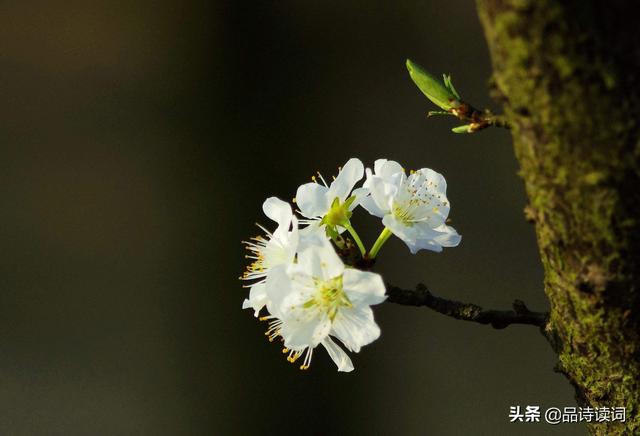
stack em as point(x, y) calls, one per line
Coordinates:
point(478, 119)
point(498, 319)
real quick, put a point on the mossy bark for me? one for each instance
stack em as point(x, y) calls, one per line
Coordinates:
point(568, 75)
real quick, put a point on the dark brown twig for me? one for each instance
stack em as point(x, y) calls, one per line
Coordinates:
point(499, 319)
point(479, 119)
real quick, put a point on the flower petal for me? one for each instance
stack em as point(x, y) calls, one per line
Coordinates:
point(434, 180)
point(355, 327)
point(448, 236)
point(312, 235)
point(278, 286)
point(360, 194)
point(319, 262)
point(372, 207)
point(257, 298)
point(312, 200)
point(434, 239)
point(387, 168)
point(350, 174)
point(281, 248)
point(278, 211)
point(381, 192)
point(363, 288)
point(338, 355)
point(408, 234)
point(424, 244)
point(300, 333)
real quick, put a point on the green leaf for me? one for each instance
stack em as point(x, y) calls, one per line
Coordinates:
point(449, 84)
point(462, 129)
point(432, 88)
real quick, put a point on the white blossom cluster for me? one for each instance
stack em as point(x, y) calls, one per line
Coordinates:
point(299, 273)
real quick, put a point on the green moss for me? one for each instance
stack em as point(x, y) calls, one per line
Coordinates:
point(563, 66)
point(574, 130)
point(594, 177)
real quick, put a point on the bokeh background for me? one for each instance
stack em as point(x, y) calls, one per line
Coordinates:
point(137, 143)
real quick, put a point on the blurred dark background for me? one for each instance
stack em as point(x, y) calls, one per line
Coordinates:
point(138, 142)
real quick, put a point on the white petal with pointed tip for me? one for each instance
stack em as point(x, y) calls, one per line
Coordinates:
point(337, 354)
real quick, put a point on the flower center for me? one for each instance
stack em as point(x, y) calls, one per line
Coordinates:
point(329, 297)
point(338, 213)
point(403, 214)
point(418, 201)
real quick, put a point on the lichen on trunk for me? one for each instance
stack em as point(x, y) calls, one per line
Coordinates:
point(566, 72)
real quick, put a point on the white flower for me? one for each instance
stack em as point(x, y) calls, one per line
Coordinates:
point(332, 204)
point(317, 297)
point(270, 251)
point(413, 208)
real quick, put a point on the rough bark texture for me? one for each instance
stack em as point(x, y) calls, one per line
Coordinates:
point(567, 73)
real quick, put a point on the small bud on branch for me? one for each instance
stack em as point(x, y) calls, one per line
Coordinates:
point(444, 95)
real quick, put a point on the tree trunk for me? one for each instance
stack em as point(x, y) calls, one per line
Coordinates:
point(568, 74)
